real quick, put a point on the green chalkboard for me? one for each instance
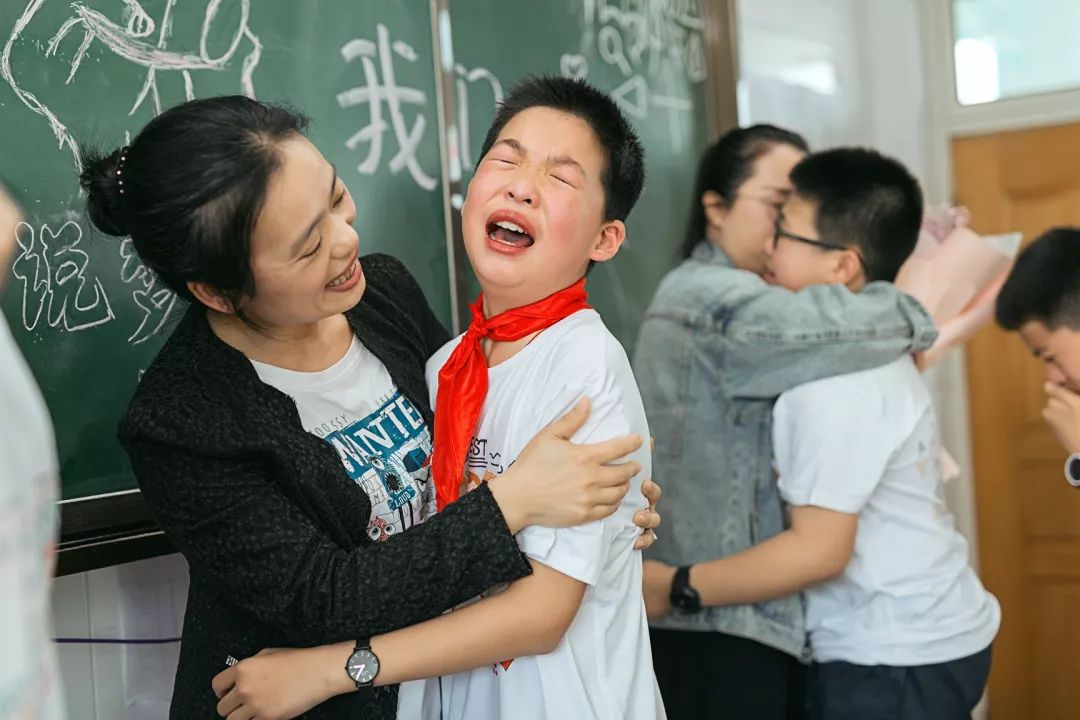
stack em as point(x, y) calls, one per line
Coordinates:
point(86, 314)
point(652, 57)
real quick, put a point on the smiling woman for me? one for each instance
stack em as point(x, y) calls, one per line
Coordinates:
point(281, 435)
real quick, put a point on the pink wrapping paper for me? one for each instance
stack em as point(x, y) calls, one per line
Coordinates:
point(956, 274)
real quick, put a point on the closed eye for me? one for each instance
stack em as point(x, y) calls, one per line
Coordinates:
point(504, 161)
point(563, 181)
point(339, 199)
point(314, 250)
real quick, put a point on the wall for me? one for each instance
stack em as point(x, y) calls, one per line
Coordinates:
point(143, 600)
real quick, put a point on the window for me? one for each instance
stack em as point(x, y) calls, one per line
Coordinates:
point(1006, 48)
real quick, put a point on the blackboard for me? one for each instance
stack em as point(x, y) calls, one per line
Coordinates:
point(86, 314)
point(652, 57)
point(400, 109)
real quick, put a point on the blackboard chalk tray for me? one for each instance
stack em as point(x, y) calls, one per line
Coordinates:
point(106, 530)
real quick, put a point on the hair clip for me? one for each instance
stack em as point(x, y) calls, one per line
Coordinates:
point(120, 167)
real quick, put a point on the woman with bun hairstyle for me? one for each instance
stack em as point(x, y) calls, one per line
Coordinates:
point(281, 436)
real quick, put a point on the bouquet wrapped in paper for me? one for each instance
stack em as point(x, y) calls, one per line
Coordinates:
point(956, 274)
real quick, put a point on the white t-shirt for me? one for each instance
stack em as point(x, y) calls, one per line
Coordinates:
point(867, 443)
point(382, 439)
point(602, 668)
point(29, 479)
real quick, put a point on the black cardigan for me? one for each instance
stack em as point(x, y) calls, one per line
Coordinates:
point(273, 529)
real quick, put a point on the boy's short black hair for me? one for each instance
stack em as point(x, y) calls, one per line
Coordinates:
point(865, 200)
point(1044, 285)
point(624, 157)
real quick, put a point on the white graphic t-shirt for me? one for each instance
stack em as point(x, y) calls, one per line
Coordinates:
point(382, 439)
point(602, 668)
point(29, 478)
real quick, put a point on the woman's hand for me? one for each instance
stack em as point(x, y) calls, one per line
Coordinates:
point(556, 483)
point(648, 519)
point(278, 684)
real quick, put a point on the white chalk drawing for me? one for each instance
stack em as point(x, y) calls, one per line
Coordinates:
point(651, 32)
point(53, 272)
point(152, 297)
point(674, 106)
point(133, 43)
point(464, 78)
point(652, 43)
point(633, 96)
point(611, 49)
point(573, 66)
point(378, 89)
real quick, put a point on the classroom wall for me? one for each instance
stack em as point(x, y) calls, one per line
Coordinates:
point(143, 600)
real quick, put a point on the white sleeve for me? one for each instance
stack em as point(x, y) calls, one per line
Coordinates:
point(831, 444)
point(580, 551)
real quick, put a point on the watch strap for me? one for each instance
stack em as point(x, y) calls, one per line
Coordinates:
point(681, 579)
point(683, 595)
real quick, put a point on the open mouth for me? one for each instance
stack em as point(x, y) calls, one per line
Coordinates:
point(508, 232)
point(346, 277)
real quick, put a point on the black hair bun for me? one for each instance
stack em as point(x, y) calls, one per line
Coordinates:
point(105, 200)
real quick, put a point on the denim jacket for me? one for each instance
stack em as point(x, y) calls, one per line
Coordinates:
point(717, 346)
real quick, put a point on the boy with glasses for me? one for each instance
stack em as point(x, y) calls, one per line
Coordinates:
point(899, 625)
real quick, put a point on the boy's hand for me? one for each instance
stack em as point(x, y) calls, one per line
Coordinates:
point(1062, 415)
point(658, 578)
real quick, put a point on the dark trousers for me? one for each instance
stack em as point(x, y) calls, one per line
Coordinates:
point(712, 676)
point(948, 691)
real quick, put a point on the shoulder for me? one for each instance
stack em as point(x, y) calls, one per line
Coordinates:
point(390, 282)
point(580, 350)
point(707, 289)
point(440, 356)
point(185, 388)
point(382, 267)
point(890, 391)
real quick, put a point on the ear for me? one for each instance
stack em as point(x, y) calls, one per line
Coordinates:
point(211, 297)
point(716, 209)
point(848, 270)
point(612, 235)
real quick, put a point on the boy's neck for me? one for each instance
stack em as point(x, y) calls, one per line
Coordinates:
point(496, 303)
point(499, 352)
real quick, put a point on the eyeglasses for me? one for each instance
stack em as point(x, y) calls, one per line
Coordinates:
point(782, 233)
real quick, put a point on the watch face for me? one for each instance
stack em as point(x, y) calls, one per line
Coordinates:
point(686, 599)
point(1072, 470)
point(363, 667)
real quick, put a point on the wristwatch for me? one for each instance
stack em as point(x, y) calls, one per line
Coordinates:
point(684, 597)
point(363, 665)
point(1072, 470)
